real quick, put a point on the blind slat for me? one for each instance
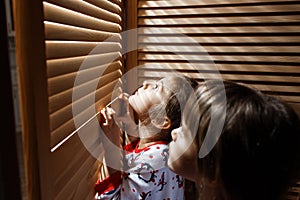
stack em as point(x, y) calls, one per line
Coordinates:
point(66, 81)
point(265, 88)
point(216, 58)
point(88, 9)
point(79, 179)
point(68, 127)
point(277, 88)
point(64, 114)
point(106, 5)
point(290, 98)
point(64, 98)
point(235, 77)
point(221, 30)
point(61, 15)
point(166, 4)
point(60, 161)
point(229, 21)
point(265, 10)
point(117, 2)
point(235, 48)
point(54, 31)
point(63, 66)
point(241, 68)
point(63, 49)
point(224, 40)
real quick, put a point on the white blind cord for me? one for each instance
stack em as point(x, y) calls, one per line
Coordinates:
point(85, 123)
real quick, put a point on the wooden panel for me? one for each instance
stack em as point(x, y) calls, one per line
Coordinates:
point(131, 41)
point(31, 65)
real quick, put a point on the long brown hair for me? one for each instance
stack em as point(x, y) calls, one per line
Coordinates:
point(258, 146)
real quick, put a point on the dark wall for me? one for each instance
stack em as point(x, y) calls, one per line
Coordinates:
point(9, 172)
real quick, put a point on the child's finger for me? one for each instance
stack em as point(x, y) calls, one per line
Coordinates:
point(110, 113)
point(103, 112)
point(101, 118)
point(124, 96)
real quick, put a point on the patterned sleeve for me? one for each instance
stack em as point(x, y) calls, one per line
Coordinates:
point(109, 188)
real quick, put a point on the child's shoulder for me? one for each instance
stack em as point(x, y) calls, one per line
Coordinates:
point(156, 146)
point(159, 145)
point(131, 146)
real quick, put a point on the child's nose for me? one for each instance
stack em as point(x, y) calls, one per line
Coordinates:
point(174, 134)
point(146, 84)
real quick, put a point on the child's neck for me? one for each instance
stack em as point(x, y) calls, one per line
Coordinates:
point(148, 135)
point(146, 142)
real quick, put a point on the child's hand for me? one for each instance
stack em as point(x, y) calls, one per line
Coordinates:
point(112, 155)
point(108, 125)
point(124, 114)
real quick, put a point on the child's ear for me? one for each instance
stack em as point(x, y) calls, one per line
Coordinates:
point(158, 116)
point(164, 124)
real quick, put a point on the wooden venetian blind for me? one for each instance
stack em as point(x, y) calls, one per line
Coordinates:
point(83, 52)
point(76, 45)
point(256, 42)
point(65, 47)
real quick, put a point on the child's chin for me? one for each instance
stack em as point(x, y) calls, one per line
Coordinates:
point(132, 103)
point(177, 168)
point(171, 164)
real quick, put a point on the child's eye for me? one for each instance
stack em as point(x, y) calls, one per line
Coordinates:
point(154, 85)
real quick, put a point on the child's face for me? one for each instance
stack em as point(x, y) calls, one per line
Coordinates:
point(151, 93)
point(183, 153)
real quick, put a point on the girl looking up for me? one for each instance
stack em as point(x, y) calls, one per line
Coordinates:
point(157, 105)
